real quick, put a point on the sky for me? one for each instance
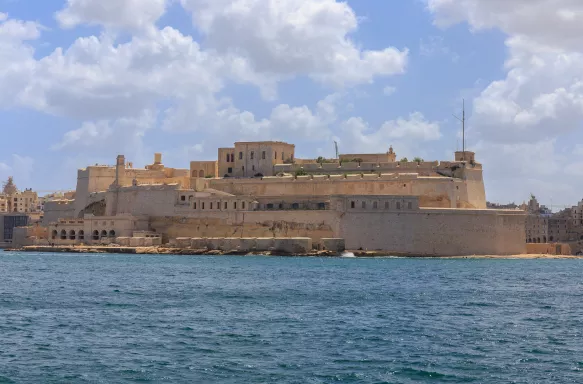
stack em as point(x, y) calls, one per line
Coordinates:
point(82, 81)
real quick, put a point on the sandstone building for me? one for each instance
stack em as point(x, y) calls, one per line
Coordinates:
point(261, 190)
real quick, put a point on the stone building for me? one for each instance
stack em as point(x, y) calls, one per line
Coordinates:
point(258, 190)
point(14, 201)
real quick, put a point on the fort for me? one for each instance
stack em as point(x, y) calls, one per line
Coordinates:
point(258, 196)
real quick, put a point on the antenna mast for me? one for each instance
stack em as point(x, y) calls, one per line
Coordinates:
point(463, 120)
point(336, 146)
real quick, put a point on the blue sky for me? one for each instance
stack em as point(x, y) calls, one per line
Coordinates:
point(84, 80)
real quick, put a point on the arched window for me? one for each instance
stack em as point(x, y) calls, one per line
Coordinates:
point(544, 239)
point(63, 235)
point(95, 235)
point(112, 233)
point(201, 173)
point(193, 173)
point(538, 239)
point(103, 233)
point(72, 235)
point(81, 235)
point(54, 234)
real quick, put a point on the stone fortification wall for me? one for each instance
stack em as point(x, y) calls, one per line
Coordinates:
point(154, 200)
point(312, 224)
point(423, 168)
point(56, 209)
point(436, 232)
point(99, 178)
point(437, 192)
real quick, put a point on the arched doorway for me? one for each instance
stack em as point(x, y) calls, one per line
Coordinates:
point(201, 173)
point(103, 234)
point(81, 235)
point(54, 234)
point(72, 235)
point(63, 235)
point(95, 235)
point(112, 233)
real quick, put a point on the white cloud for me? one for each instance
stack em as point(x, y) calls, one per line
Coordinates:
point(435, 46)
point(286, 38)
point(519, 118)
point(20, 167)
point(121, 14)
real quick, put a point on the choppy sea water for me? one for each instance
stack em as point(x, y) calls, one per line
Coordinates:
point(127, 319)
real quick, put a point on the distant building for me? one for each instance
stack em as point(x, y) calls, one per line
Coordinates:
point(9, 221)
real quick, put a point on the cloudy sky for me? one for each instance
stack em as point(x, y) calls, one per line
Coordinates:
point(84, 80)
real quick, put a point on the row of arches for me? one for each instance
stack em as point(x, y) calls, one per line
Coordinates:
point(80, 235)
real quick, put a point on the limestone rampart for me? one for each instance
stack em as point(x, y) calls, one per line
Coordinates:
point(244, 245)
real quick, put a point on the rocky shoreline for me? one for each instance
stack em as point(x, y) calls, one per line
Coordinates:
point(161, 250)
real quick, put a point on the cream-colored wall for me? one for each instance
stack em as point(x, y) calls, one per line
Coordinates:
point(367, 157)
point(106, 228)
point(435, 232)
point(58, 209)
point(203, 169)
point(549, 249)
point(439, 192)
point(225, 163)
point(250, 159)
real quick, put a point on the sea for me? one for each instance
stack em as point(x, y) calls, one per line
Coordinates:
point(93, 318)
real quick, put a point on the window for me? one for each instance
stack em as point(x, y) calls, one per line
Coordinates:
point(253, 168)
point(275, 153)
point(269, 206)
point(252, 155)
point(232, 157)
point(63, 235)
point(228, 157)
point(235, 205)
point(72, 235)
point(103, 234)
point(363, 204)
point(280, 206)
point(295, 206)
point(182, 198)
point(240, 155)
point(387, 206)
point(194, 205)
point(282, 156)
point(263, 155)
point(230, 170)
point(321, 205)
point(375, 205)
point(243, 205)
point(202, 205)
point(398, 205)
point(226, 205)
point(95, 235)
point(243, 168)
point(112, 233)
point(352, 204)
point(201, 173)
point(81, 235)
point(211, 205)
point(409, 205)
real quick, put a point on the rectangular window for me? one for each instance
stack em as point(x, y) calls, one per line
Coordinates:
point(211, 205)
point(252, 155)
point(269, 206)
point(230, 170)
point(240, 155)
point(218, 205)
point(375, 205)
point(386, 205)
point(352, 204)
point(275, 157)
point(398, 205)
point(235, 205)
point(363, 204)
point(183, 198)
point(228, 157)
point(243, 205)
point(202, 205)
point(194, 205)
point(263, 155)
point(410, 205)
point(226, 205)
